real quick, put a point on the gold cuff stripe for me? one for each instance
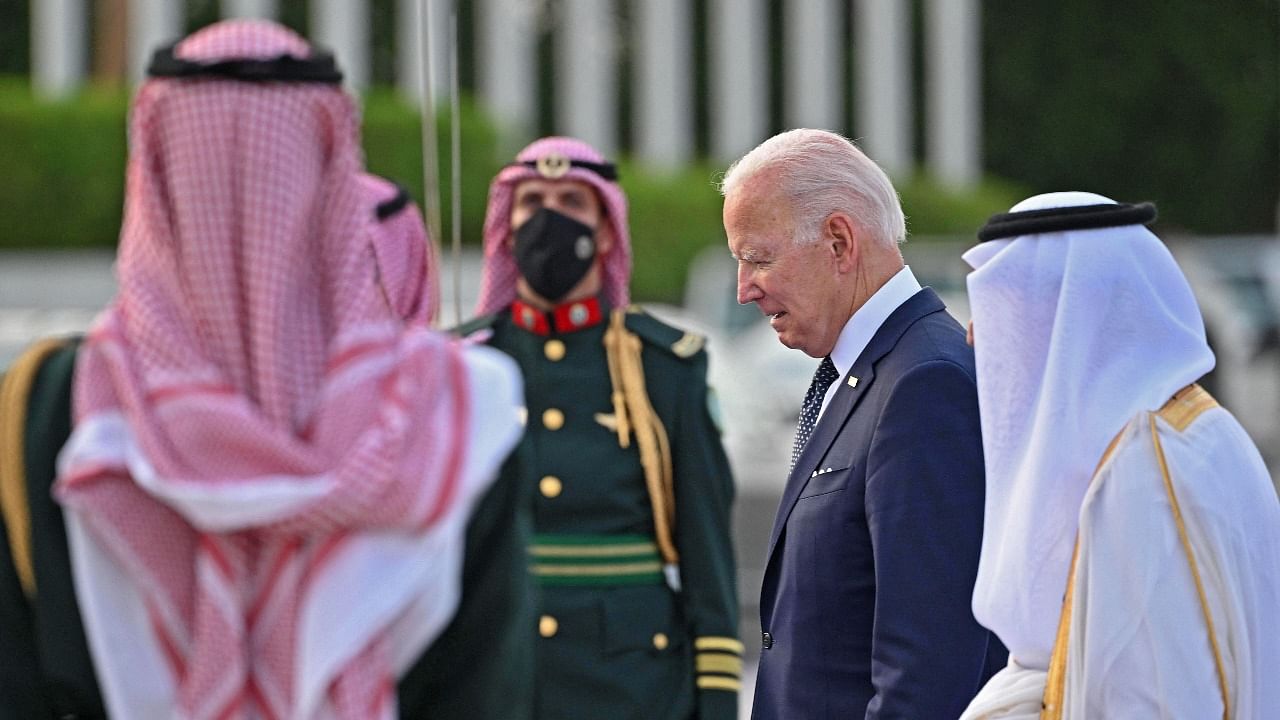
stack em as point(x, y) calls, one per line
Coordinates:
point(580, 551)
point(15, 392)
point(1186, 405)
point(727, 664)
point(716, 642)
point(615, 569)
point(719, 683)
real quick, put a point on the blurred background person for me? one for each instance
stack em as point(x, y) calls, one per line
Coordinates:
point(630, 487)
point(258, 423)
point(1113, 476)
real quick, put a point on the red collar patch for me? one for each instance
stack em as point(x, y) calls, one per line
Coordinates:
point(564, 318)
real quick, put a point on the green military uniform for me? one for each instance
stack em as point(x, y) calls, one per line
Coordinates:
point(480, 667)
point(616, 640)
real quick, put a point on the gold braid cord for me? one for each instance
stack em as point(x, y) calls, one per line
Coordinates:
point(1195, 570)
point(15, 392)
point(635, 414)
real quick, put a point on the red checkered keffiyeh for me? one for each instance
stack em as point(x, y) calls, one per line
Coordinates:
point(498, 279)
point(270, 469)
point(408, 267)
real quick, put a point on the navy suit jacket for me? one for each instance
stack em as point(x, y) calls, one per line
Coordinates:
point(865, 605)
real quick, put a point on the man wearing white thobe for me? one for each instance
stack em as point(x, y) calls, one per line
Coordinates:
point(1113, 477)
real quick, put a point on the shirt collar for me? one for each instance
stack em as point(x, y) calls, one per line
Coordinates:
point(866, 320)
point(568, 317)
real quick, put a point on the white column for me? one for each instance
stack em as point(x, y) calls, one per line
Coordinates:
point(954, 91)
point(739, 76)
point(267, 9)
point(342, 26)
point(587, 73)
point(408, 47)
point(663, 89)
point(58, 44)
point(507, 65)
point(813, 71)
point(882, 66)
point(152, 23)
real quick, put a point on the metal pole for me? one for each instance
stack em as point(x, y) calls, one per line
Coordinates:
point(455, 165)
point(430, 161)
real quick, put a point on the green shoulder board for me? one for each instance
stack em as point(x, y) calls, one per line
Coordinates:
point(653, 331)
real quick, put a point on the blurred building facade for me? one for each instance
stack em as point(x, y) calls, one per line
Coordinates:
point(655, 78)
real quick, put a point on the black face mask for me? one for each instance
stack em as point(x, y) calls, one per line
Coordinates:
point(554, 252)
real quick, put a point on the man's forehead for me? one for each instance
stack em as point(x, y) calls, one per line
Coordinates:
point(763, 184)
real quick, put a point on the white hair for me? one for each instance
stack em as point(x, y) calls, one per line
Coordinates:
point(821, 172)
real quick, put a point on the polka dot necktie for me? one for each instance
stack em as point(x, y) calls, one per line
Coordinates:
point(822, 379)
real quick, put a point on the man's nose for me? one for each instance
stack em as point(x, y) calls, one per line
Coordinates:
point(747, 290)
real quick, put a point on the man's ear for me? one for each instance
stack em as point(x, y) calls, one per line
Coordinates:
point(841, 237)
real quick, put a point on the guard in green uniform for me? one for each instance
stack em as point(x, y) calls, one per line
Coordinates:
point(631, 487)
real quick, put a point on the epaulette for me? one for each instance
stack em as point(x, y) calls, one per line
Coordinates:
point(15, 392)
point(653, 331)
point(1186, 405)
point(475, 325)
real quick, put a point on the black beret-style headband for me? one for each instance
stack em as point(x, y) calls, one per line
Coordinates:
point(319, 68)
point(392, 206)
point(1079, 217)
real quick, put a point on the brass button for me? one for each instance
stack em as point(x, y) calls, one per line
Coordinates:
point(550, 486)
point(554, 350)
point(547, 626)
point(553, 419)
point(660, 641)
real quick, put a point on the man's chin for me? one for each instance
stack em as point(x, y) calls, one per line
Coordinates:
point(793, 343)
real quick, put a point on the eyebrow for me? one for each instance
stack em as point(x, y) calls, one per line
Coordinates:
point(573, 191)
point(748, 254)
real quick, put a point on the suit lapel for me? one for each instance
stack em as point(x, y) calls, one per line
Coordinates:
point(846, 399)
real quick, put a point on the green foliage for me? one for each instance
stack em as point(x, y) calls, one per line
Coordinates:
point(672, 217)
point(1164, 101)
point(64, 179)
point(933, 210)
point(65, 183)
point(393, 149)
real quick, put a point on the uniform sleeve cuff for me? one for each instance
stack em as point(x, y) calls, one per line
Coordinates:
point(718, 663)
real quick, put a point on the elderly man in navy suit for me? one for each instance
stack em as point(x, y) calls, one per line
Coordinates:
point(865, 605)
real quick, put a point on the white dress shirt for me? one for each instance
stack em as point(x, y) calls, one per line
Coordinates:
point(866, 320)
